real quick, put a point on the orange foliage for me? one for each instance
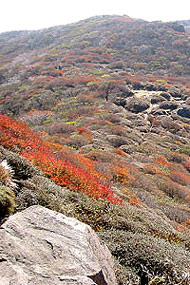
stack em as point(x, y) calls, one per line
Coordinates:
point(186, 223)
point(186, 125)
point(119, 151)
point(131, 197)
point(3, 100)
point(180, 177)
point(183, 226)
point(59, 72)
point(18, 135)
point(83, 131)
point(38, 112)
point(187, 165)
point(121, 175)
point(162, 161)
point(168, 85)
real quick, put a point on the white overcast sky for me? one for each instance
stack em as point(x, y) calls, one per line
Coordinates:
point(37, 14)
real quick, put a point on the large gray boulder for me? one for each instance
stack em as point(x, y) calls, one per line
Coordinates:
point(39, 246)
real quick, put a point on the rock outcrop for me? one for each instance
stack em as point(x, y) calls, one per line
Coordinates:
point(39, 246)
point(137, 105)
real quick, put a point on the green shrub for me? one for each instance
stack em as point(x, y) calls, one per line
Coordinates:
point(7, 202)
point(22, 168)
point(149, 257)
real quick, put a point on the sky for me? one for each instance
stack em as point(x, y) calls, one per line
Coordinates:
point(39, 14)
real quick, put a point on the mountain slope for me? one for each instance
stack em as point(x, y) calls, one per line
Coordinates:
point(107, 101)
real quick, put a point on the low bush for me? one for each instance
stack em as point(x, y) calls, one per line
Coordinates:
point(151, 258)
point(180, 177)
point(102, 156)
point(7, 202)
point(150, 169)
point(77, 141)
point(61, 128)
point(117, 141)
point(172, 188)
point(177, 157)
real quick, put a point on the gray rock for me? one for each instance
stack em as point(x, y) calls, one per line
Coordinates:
point(120, 101)
point(157, 99)
point(168, 105)
point(166, 95)
point(137, 105)
point(117, 141)
point(184, 112)
point(39, 246)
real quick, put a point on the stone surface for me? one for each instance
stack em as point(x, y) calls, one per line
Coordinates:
point(168, 105)
point(39, 246)
point(116, 141)
point(184, 112)
point(137, 105)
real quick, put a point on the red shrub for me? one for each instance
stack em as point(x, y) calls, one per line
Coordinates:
point(62, 171)
point(162, 160)
point(83, 131)
point(186, 164)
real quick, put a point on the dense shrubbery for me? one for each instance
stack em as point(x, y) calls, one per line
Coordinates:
point(15, 135)
point(125, 229)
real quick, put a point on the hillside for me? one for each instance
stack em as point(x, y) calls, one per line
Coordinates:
point(95, 124)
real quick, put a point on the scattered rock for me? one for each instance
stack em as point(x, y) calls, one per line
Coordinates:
point(168, 123)
point(158, 112)
point(126, 92)
point(2, 78)
point(119, 101)
point(117, 141)
point(156, 99)
point(168, 105)
point(184, 112)
point(144, 129)
point(137, 105)
point(187, 101)
point(138, 85)
point(176, 93)
point(150, 87)
point(166, 95)
point(40, 246)
point(177, 27)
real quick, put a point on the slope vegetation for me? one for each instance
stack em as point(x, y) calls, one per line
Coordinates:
point(102, 108)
